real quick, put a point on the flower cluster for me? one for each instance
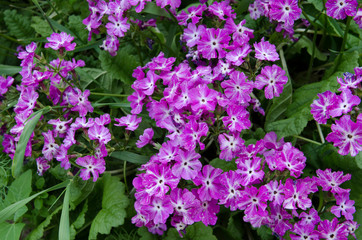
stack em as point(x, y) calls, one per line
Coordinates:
point(346, 132)
point(59, 137)
point(206, 100)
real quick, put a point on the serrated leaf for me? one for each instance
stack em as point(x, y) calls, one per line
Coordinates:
point(126, 58)
point(79, 190)
point(18, 24)
point(197, 231)
point(293, 125)
point(41, 26)
point(75, 24)
point(222, 164)
point(130, 157)
point(114, 204)
point(145, 234)
point(64, 230)
point(11, 231)
point(23, 141)
point(20, 188)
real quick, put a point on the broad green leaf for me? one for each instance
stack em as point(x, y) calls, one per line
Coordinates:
point(197, 231)
point(293, 125)
point(114, 204)
point(358, 219)
point(152, 8)
point(145, 234)
point(222, 164)
point(38, 232)
point(76, 25)
point(305, 42)
point(79, 190)
point(23, 141)
point(20, 188)
point(61, 28)
point(130, 157)
point(120, 66)
point(9, 70)
point(234, 227)
point(41, 26)
point(64, 230)
point(355, 185)
point(7, 212)
point(265, 233)
point(11, 231)
point(317, 4)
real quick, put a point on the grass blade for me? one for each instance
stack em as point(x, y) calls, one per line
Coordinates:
point(64, 231)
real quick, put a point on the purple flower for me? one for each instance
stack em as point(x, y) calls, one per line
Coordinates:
point(42, 165)
point(50, 148)
point(27, 100)
point(255, 10)
point(286, 11)
point(212, 41)
point(241, 34)
point(141, 4)
point(203, 98)
point(253, 200)
point(160, 209)
point(250, 171)
point(60, 40)
point(92, 165)
point(230, 146)
point(79, 100)
point(279, 220)
point(5, 83)
point(221, 9)
point(332, 230)
point(185, 204)
point(187, 165)
point(146, 85)
point(9, 145)
point(130, 121)
point(346, 102)
point(60, 127)
point(117, 25)
point(330, 181)
point(358, 18)
point(346, 135)
point(340, 9)
point(168, 152)
point(192, 34)
point(236, 56)
point(296, 194)
point(238, 88)
point(100, 133)
point(194, 13)
point(276, 192)
point(274, 78)
point(192, 133)
point(209, 178)
point(104, 119)
point(311, 218)
point(349, 80)
point(344, 206)
point(62, 156)
point(232, 192)
point(136, 100)
point(304, 232)
point(321, 108)
point(145, 138)
point(237, 119)
point(266, 51)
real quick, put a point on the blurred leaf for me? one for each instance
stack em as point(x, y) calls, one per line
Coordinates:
point(317, 4)
point(130, 157)
point(75, 24)
point(145, 234)
point(114, 204)
point(64, 230)
point(305, 42)
point(358, 219)
point(152, 8)
point(222, 164)
point(197, 231)
point(79, 191)
point(9, 70)
point(20, 188)
point(18, 24)
point(234, 227)
point(79, 222)
point(265, 233)
point(23, 141)
point(41, 26)
point(38, 232)
point(11, 231)
point(61, 28)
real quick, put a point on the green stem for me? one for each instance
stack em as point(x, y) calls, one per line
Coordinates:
point(307, 140)
point(309, 73)
point(44, 15)
point(339, 58)
point(321, 200)
point(109, 94)
point(125, 175)
point(320, 133)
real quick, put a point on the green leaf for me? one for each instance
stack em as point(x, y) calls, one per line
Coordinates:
point(114, 204)
point(317, 4)
point(79, 190)
point(234, 227)
point(130, 157)
point(64, 231)
point(126, 58)
point(18, 24)
point(23, 141)
point(41, 26)
point(38, 232)
point(11, 231)
point(75, 23)
point(7, 212)
point(293, 125)
point(145, 234)
point(197, 231)
point(79, 222)
point(222, 164)
point(20, 188)
point(9, 70)
point(60, 27)
point(265, 233)
point(152, 8)
point(358, 219)
point(305, 42)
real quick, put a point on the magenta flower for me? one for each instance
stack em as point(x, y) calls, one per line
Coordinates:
point(349, 80)
point(60, 127)
point(62, 156)
point(253, 200)
point(27, 100)
point(296, 194)
point(79, 100)
point(145, 138)
point(292, 159)
point(212, 41)
point(141, 4)
point(194, 14)
point(311, 218)
point(238, 88)
point(266, 51)
point(9, 145)
point(250, 171)
point(130, 121)
point(50, 147)
point(332, 230)
point(276, 192)
point(168, 152)
point(92, 165)
point(230, 146)
point(237, 119)
point(5, 83)
point(192, 133)
point(346, 135)
point(286, 11)
point(203, 98)
point(344, 206)
point(208, 210)
point(236, 56)
point(304, 232)
point(117, 25)
point(255, 10)
point(241, 34)
point(279, 220)
point(136, 100)
point(321, 108)
point(42, 165)
point(192, 34)
point(160, 209)
point(60, 40)
point(340, 9)
point(346, 102)
point(100, 133)
point(358, 18)
point(187, 165)
point(185, 204)
point(273, 77)
point(221, 9)
point(231, 194)
point(146, 85)
point(330, 181)
point(209, 178)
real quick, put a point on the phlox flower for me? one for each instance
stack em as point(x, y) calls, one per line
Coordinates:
point(159, 209)
point(253, 200)
point(279, 220)
point(330, 181)
point(60, 127)
point(236, 56)
point(276, 192)
point(237, 119)
point(304, 232)
point(5, 83)
point(212, 41)
point(358, 18)
point(158, 228)
point(100, 133)
point(172, 3)
point(192, 133)
point(292, 159)
point(241, 34)
point(60, 40)
point(192, 34)
point(266, 51)
point(92, 165)
point(255, 10)
point(9, 145)
point(50, 147)
point(238, 88)
point(273, 77)
point(345, 206)
point(208, 210)
point(139, 3)
point(81, 122)
point(332, 230)
point(187, 165)
point(102, 120)
point(232, 192)
point(146, 85)
point(62, 156)
point(117, 25)
point(79, 100)
point(340, 9)
point(286, 11)
point(194, 13)
point(136, 100)
point(130, 121)
point(168, 152)
point(145, 138)
point(349, 80)
point(209, 178)
point(250, 171)
point(311, 218)
point(346, 101)
point(221, 9)
point(27, 100)
point(42, 165)
point(185, 204)
point(296, 194)
point(321, 108)
point(230, 145)
point(346, 135)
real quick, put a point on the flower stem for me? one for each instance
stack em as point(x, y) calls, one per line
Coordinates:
point(307, 140)
point(125, 175)
point(339, 58)
point(309, 73)
point(109, 94)
point(320, 133)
